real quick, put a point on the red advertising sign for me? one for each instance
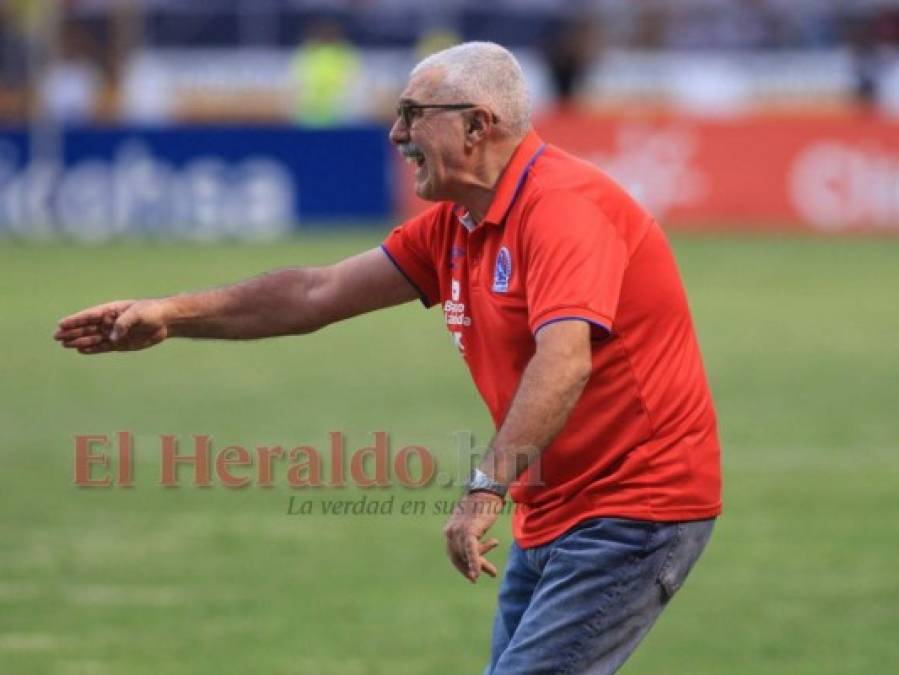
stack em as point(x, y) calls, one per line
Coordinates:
point(828, 174)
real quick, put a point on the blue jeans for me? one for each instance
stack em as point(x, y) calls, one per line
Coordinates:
point(583, 602)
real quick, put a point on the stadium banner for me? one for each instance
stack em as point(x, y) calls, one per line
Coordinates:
point(836, 174)
point(202, 183)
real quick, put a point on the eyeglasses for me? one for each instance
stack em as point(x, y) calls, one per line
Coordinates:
point(407, 112)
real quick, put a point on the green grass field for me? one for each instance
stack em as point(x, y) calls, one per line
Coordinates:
point(800, 341)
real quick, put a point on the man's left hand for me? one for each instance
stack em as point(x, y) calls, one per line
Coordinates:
point(473, 516)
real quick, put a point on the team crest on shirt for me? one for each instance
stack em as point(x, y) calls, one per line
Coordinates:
point(502, 271)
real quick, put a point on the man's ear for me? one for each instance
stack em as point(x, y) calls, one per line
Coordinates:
point(477, 125)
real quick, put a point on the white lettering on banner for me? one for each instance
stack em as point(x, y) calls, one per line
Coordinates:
point(138, 193)
point(835, 185)
point(657, 166)
point(25, 200)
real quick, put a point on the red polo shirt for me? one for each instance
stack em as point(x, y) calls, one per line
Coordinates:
point(562, 241)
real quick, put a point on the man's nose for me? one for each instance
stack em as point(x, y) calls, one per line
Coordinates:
point(398, 132)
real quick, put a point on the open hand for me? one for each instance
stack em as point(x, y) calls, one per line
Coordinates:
point(123, 325)
point(473, 516)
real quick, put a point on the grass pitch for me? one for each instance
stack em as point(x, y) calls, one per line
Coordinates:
point(799, 337)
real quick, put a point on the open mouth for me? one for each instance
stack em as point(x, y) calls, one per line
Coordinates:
point(418, 160)
point(413, 155)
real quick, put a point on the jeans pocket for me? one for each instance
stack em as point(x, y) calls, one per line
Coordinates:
point(687, 545)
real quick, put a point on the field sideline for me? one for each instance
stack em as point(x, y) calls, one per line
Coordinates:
point(800, 342)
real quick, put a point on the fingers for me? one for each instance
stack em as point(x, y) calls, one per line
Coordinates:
point(458, 561)
point(66, 335)
point(105, 345)
point(91, 343)
point(475, 560)
point(88, 330)
point(98, 340)
point(471, 519)
point(84, 336)
point(472, 557)
point(488, 568)
point(485, 547)
point(92, 315)
point(84, 342)
point(120, 326)
point(454, 552)
point(489, 545)
point(466, 553)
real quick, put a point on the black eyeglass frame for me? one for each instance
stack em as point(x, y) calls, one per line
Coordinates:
point(404, 110)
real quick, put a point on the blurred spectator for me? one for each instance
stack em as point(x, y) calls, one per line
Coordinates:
point(867, 60)
point(13, 49)
point(71, 91)
point(874, 39)
point(573, 46)
point(435, 40)
point(13, 65)
point(327, 73)
point(72, 86)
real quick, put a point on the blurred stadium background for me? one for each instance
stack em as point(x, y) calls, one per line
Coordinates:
point(194, 143)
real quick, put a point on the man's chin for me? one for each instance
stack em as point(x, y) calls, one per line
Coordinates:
point(424, 190)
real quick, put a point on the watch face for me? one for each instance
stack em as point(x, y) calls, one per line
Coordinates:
point(481, 482)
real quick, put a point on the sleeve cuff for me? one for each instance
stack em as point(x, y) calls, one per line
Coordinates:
point(425, 300)
point(600, 325)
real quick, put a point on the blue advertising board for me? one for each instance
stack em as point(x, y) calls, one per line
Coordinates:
point(195, 182)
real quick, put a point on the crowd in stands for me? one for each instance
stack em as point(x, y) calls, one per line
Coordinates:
point(78, 60)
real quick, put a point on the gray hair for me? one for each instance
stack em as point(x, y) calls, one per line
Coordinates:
point(485, 73)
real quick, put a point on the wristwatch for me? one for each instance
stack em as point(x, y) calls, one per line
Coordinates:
point(481, 482)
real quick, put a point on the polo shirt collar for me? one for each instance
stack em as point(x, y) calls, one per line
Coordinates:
point(512, 178)
point(510, 183)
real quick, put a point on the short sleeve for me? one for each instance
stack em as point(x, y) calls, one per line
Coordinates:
point(411, 248)
point(575, 261)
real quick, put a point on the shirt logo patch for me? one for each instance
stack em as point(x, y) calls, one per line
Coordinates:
point(503, 271)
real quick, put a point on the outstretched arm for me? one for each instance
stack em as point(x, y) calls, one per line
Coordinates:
point(283, 302)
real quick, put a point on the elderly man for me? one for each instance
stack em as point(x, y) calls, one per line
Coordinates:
point(563, 298)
